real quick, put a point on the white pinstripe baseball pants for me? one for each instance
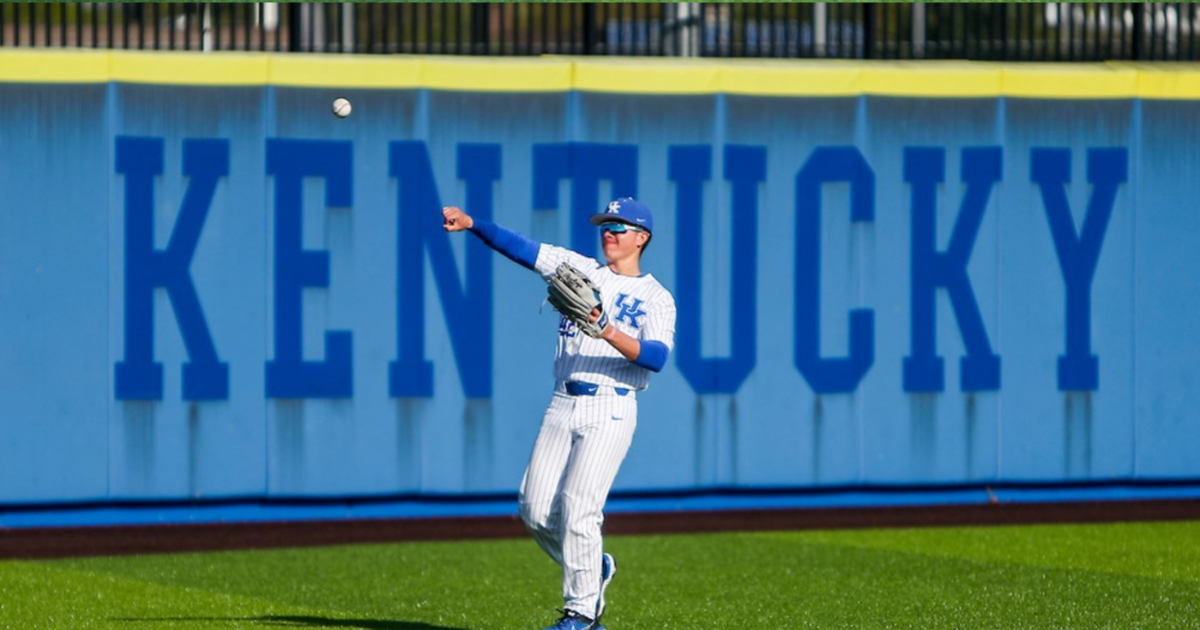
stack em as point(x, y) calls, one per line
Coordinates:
point(578, 452)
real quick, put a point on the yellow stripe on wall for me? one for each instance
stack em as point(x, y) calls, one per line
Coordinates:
point(334, 71)
point(655, 75)
point(648, 76)
point(1167, 81)
point(474, 74)
point(190, 69)
point(792, 78)
point(1067, 81)
point(933, 79)
point(56, 66)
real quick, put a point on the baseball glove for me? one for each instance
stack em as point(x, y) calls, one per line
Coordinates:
point(573, 295)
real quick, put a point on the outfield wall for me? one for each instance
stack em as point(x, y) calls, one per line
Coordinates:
point(898, 275)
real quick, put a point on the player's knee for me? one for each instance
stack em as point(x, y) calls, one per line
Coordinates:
point(535, 515)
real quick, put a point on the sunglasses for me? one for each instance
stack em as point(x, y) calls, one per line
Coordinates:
point(619, 228)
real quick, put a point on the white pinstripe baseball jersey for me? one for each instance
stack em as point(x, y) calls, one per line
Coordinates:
point(637, 305)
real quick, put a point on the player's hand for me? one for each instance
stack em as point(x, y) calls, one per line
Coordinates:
point(608, 331)
point(455, 220)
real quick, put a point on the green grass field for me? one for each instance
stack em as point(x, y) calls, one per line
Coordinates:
point(1122, 576)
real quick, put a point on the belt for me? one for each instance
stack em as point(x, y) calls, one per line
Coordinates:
point(580, 388)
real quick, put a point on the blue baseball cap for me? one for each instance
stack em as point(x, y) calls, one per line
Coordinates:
point(626, 210)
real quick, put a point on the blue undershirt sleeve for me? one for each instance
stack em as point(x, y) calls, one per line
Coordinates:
point(516, 247)
point(652, 356)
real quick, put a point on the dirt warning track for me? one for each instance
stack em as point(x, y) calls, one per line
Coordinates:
point(123, 540)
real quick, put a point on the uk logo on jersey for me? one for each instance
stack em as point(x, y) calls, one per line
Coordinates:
point(629, 310)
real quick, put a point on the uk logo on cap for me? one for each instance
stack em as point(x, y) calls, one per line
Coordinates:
point(625, 210)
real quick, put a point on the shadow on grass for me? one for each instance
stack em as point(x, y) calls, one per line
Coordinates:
point(309, 621)
point(306, 621)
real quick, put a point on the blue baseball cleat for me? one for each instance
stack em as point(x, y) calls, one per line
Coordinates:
point(608, 568)
point(572, 620)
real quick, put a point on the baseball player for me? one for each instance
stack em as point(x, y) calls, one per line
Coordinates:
point(606, 352)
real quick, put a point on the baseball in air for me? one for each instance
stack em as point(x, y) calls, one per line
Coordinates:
point(341, 107)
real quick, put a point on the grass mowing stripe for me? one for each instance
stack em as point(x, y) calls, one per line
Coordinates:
point(1168, 550)
point(787, 581)
point(920, 579)
point(438, 584)
point(41, 595)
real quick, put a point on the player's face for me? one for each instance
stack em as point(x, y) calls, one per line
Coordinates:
point(621, 241)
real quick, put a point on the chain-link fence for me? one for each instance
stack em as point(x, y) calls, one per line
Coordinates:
point(994, 31)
